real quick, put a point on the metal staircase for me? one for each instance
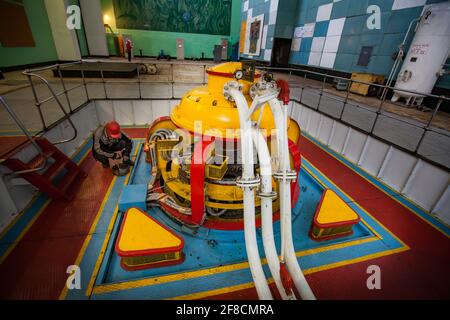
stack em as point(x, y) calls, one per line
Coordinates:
point(51, 171)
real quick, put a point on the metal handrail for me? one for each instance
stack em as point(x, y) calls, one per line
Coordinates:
point(38, 104)
point(29, 137)
point(356, 81)
point(378, 110)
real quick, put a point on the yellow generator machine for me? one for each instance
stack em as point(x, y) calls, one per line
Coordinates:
point(195, 153)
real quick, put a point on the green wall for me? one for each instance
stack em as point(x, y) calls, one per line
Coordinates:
point(152, 42)
point(44, 50)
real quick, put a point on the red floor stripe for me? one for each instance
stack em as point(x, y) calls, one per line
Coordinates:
point(36, 267)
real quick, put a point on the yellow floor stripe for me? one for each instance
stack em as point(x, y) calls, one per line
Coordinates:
point(215, 292)
point(63, 294)
point(211, 271)
point(90, 287)
point(92, 230)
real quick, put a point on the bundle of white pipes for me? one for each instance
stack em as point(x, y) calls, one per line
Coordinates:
point(251, 135)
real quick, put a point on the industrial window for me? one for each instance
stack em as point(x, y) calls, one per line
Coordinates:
point(364, 56)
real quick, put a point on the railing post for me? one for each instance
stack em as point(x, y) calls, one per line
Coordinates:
point(346, 99)
point(378, 112)
point(37, 103)
point(303, 87)
point(204, 74)
point(103, 80)
point(64, 87)
point(321, 92)
point(427, 128)
point(139, 83)
point(172, 82)
point(84, 82)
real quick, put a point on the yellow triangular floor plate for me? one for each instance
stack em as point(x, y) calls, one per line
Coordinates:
point(141, 235)
point(333, 210)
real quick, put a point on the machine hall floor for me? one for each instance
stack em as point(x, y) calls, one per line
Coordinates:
point(411, 248)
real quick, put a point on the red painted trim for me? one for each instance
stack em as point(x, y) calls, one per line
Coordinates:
point(226, 74)
point(163, 118)
point(216, 225)
point(198, 163)
point(148, 252)
point(329, 237)
point(153, 265)
point(297, 159)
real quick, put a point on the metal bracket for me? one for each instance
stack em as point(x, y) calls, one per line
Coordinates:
point(248, 183)
point(288, 175)
point(270, 195)
point(231, 85)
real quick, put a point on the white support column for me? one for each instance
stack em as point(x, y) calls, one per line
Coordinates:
point(94, 27)
point(65, 40)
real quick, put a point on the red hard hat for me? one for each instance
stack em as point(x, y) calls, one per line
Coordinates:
point(113, 129)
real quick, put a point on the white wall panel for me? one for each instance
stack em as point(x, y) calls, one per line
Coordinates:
point(173, 104)
point(290, 106)
point(123, 111)
point(313, 125)
point(296, 110)
point(442, 208)
point(325, 129)
point(303, 116)
point(398, 168)
point(160, 108)
point(105, 111)
point(339, 136)
point(426, 185)
point(374, 155)
point(354, 146)
point(143, 113)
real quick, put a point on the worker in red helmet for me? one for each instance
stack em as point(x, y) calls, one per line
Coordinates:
point(111, 143)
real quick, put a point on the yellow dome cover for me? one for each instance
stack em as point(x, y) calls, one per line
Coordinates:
point(207, 106)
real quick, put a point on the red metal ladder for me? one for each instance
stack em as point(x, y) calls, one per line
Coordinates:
point(45, 179)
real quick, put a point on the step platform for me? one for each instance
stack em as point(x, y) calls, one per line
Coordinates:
point(95, 70)
point(145, 243)
point(333, 218)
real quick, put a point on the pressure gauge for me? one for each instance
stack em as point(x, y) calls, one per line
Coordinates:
point(239, 74)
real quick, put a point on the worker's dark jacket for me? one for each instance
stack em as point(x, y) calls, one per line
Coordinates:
point(102, 149)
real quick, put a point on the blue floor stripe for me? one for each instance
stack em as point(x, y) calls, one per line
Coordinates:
point(445, 229)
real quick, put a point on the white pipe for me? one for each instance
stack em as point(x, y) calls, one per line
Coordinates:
point(251, 246)
point(267, 212)
point(285, 204)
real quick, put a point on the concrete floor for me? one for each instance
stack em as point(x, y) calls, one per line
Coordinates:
point(398, 124)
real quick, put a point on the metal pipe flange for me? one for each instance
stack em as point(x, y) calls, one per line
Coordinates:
point(270, 195)
point(289, 175)
point(248, 182)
